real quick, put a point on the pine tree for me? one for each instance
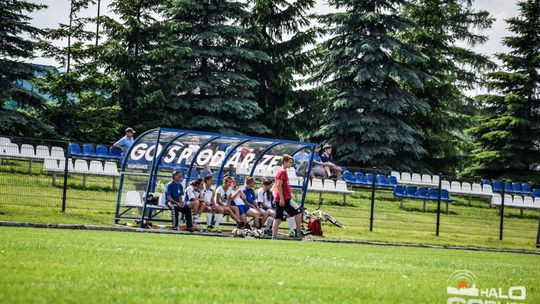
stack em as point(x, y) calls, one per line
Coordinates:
point(282, 29)
point(444, 27)
point(136, 55)
point(369, 70)
point(508, 135)
point(218, 93)
point(17, 45)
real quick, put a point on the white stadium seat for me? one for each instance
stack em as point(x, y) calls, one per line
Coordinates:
point(405, 176)
point(42, 152)
point(518, 201)
point(455, 186)
point(487, 189)
point(11, 150)
point(316, 184)
point(396, 175)
point(537, 203)
point(528, 202)
point(50, 165)
point(496, 200)
point(329, 184)
point(133, 199)
point(416, 178)
point(4, 141)
point(426, 178)
point(476, 188)
point(27, 151)
point(96, 167)
point(466, 187)
point(291, 172)
point(241, 170)
point(57, 152)
point(508, 200)
point(62, 164)
point(110, 168)
point(341, 186)
point(435, 179)
point(445, 184)
point(81, 166)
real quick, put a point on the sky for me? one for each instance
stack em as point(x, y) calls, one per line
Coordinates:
point(58, 11)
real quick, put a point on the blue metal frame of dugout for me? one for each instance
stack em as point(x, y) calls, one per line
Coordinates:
point(157, 152)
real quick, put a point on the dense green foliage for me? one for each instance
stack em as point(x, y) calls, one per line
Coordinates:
point(368, 69)
point(386, 82)
point(508, 135)
point(444, 26)
point(17, 45)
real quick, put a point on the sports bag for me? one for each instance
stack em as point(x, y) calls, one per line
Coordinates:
point(315, 227)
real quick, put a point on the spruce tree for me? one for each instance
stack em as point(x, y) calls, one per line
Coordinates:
point(369, 70)
point(444, 27)
point(17, 46)
point(218, 93)
point(136, 55)
point(282, 29)
point(508, 135)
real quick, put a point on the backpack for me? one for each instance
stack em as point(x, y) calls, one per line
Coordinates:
point(315, 227)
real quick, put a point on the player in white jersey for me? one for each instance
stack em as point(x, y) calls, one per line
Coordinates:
point(194, 198)
point(222, 200)
point(211, 207)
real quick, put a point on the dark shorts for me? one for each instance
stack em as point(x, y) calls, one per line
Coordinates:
point(291, 211)
point(242, 209)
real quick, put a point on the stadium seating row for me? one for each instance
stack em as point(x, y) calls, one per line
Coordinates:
point(26, 151)
point(360, 179)
point(416, 178)
point(81, 166)
point(412, 192)
point(329, 186)
point(516, 201)
point(100, 151)
point(523, 189)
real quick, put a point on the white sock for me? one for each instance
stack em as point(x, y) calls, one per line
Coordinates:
point(218, 220)
point(208, 219)
point(269, 223)
point(196, 219)
point(291, 224)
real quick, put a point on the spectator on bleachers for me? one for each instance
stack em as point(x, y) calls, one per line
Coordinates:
point(318, 169)
point(301, 161)
point(174, 192)
point(328, 161)
point(125, 142)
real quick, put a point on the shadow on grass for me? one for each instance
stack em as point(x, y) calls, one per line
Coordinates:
point(420, 209)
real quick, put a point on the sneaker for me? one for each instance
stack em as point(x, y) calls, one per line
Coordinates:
point(299, 234)
point(218, 230)
point(292, 234)
point(193, 229)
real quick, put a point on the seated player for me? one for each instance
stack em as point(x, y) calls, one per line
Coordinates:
point(222, 200)
point(238, 199)
point(173, 193)
point(211, 206)
point(194, 198)
point(251, 202)
point(265, 201)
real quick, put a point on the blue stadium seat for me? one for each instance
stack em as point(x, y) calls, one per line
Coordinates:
point(526, 188)
point(369, 178)
point(399, 191)
point(497, 186)
point(536, 193)
point(194, 174)
point(392, 180)
point(508, 187)
point(421, 193)
point(410, 191)
point(360, 178)
point(516, 187)
point(74, 149)
point(88, 150)
point(102, 151)
point(433, 194)
point(445, 196)
point(348, 177)
point(381, 180)
point(486, 182)
point(115, 152)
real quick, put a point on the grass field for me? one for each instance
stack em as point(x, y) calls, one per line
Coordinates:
point(59, 266)
point(33, 198)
